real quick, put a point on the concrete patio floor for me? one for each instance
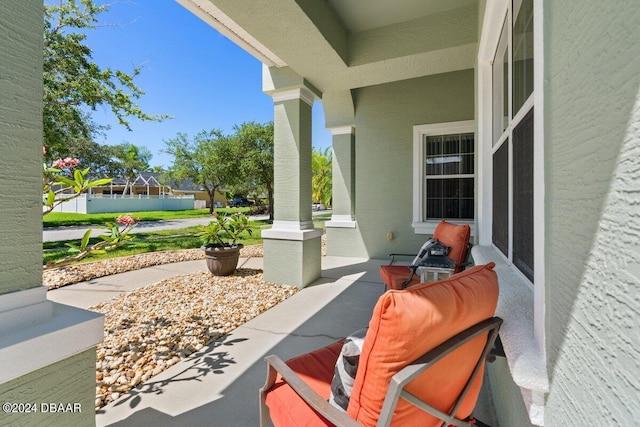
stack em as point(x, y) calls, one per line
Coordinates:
point(218, 386)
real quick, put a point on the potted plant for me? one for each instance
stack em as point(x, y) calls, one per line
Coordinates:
point(220, 242)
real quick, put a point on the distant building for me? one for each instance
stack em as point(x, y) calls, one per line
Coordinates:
point(148, 184)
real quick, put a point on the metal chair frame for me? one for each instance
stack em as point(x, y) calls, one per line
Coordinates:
point(397, 386)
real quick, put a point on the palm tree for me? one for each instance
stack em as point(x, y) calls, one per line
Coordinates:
point(131, 160)
point(321, 188)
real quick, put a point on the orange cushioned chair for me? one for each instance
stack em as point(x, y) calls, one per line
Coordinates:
point(422, 361)
point(454, 236)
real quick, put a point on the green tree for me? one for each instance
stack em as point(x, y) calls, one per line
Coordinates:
point(321, 179)
point(63, 181)
point(74, 85)
point(254, 145)
point(130, 161)
point(207, 159)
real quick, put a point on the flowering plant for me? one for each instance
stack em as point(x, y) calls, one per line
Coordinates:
point(224, 230)
point(62, 181)
point(116, 235)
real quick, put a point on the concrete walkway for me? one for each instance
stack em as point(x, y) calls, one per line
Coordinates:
point(218, 386)
point(55, 234)
point(92, 292)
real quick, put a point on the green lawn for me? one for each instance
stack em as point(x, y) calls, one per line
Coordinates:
point(146, 242)
point(57, 219)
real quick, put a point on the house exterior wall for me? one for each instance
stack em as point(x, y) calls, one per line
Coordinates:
point(592, 168)
point(384, 120)
point(65, 382)
point(219, 197)
point(507, 396)
point(20, 135)
point(47, 350)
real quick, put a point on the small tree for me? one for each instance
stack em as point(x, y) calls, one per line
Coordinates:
point(61, 182)
point(207, 160)
point(254, 148)
point(131, 160)
point(116, 235)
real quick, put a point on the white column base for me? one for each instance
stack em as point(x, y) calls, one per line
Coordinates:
point(341, 221)
point(292, 230)
point(35, 332)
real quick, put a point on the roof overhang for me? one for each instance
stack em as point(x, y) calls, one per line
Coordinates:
point(320, 40)
point(213, 16)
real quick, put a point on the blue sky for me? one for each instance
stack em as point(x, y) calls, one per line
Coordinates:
point(189, 71)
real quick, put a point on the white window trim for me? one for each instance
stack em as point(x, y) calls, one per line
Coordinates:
point(523, 335)
point(419, 133)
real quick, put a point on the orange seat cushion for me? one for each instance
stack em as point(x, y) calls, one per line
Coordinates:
point(455, 237)
point(316, 369)
point(395, 275)
point(408, 323)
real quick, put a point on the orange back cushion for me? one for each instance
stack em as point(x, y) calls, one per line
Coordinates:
point(456, 237)
point(408, 323)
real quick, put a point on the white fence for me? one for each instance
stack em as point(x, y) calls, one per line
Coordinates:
point(96, 203)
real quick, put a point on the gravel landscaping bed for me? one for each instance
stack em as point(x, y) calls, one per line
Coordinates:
point(57, 277)
point(153, 328)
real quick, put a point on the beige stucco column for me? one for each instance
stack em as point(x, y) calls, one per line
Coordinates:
point(343, 178)
point(47, 350)
point(343, 235)
point(292, 246)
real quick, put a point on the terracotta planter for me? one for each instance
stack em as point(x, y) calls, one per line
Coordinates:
point(222, 260)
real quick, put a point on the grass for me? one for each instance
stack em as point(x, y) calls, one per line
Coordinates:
point(319, 220)
point(165, 240)
point(58, 219)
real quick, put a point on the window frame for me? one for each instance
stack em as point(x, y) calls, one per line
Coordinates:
point(501, 21)
point(420, 132)
point(494, 18)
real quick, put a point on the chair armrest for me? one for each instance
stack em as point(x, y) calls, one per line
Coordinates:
point(466, 263)
point(313, 399)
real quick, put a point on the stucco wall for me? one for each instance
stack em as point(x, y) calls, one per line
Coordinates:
point(384, 119)
point(70, 383)
point(592, 168)
point(506, 396)
point(20, 145)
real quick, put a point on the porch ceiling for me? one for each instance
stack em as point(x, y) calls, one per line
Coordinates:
point(338, 45)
